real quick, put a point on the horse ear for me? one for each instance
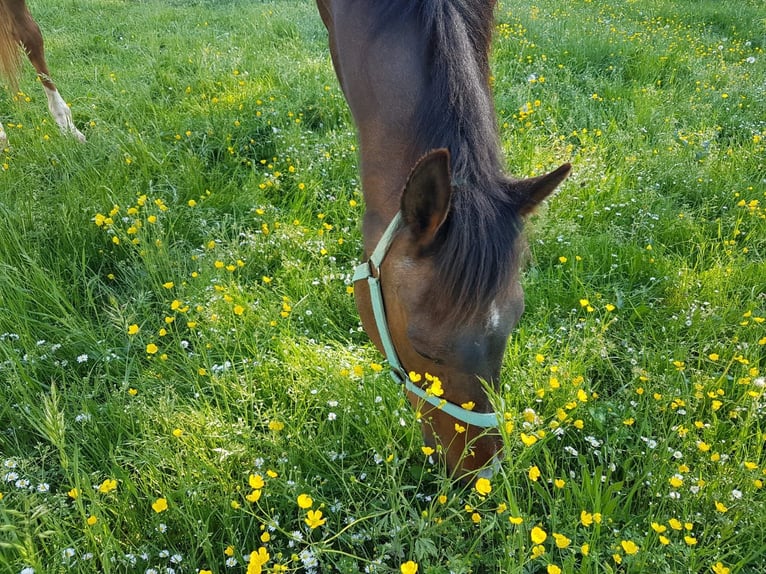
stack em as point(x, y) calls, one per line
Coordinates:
point(531, 192)
point(426, 197)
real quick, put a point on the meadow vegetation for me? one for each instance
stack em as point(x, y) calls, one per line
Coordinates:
point(184, 383)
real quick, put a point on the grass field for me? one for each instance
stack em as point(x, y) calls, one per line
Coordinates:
point(184, 383)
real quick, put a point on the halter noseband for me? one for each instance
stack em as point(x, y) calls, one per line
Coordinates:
point(370, 270)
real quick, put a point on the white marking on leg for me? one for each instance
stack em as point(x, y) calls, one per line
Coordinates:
point(3, 137)
point(62, 114)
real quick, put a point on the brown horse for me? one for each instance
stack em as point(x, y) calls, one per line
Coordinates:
point(18, 28)
point(442, 290)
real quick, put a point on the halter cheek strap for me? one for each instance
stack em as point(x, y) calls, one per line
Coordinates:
point(370, 270)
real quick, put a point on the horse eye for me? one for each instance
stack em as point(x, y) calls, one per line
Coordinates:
point(428, 357)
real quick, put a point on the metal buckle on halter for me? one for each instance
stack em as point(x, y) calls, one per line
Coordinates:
point(370, 270)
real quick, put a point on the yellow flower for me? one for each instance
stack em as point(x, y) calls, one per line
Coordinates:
point(538, 535)
point(254, 496)
point(229, 550)
point(305, 501)
point(74, 493)
point(427, 450)
point(719, 568)
point(553, 569)
point(91, 520)
point(516, 520)
point(534, 473)
point(690, 540)
point(107, 486)
point(255, 481)
point(152, 349)
point(664, 540)
point(257, 560)
point(585, 549)
point(178, 433)
point(314, 518)
point(561, 540)
point(436, 388)
point(409, 567)
point(483, 486)
point(586, 518)
point(703, 446)
point(675, 524)
point(559, 483)
point(629, 546)
point(276, 426)
point(528, 440)
point(538, 551)
point(160, 505)
point(720, 506)
point(205, 572)
point(658, 528)
point(133, 329)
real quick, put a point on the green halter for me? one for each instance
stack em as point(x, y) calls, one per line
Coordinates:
point(370, 270)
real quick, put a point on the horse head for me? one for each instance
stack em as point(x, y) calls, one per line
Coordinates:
point(449, 308)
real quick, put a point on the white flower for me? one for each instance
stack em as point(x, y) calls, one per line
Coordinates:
point(571, 450)
point(27, 570)
point(332, 417)
point(82, 358)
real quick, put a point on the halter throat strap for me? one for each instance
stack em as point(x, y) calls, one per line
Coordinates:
point(370, 271)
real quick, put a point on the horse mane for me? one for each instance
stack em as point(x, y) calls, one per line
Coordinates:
point(478, 244)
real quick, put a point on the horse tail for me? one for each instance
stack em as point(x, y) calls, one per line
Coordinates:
point(10, 54)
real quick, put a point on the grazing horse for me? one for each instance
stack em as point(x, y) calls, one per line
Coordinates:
point(440, 292)
point(18, 28)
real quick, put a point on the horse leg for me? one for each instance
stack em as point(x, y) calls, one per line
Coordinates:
point(3, 137)
point(29, 36)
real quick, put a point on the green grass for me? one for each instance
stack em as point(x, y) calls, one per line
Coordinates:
point(175, 314)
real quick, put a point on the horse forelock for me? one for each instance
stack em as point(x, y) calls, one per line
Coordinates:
point(478, 253)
